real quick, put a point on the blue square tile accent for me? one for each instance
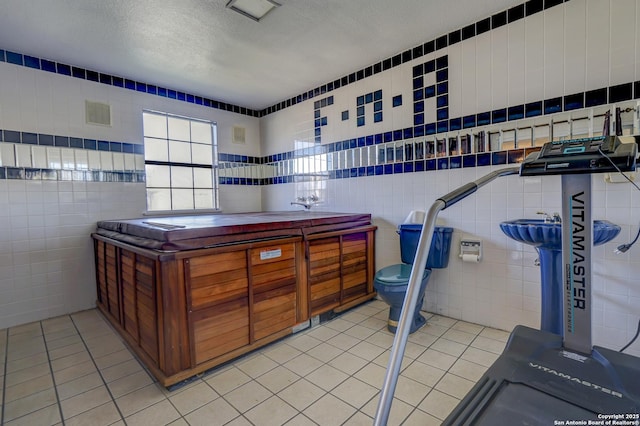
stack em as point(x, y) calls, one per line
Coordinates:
point(442, 114)
point(140, 87)
point(377, 138)
point(129, 84)
point(29, 138)
point(418, 83)
point(330, 100)
point(443, 163)
point(353, 143)
point(442, 101)
point(63, 69)
point(469, 121)
point(360, 142)
point(377, 106)
point(388, 169)
point(353, 172)
point(360, 111)
point(127, 147)
point(483, 159)
point(190, 98)
point(118, 81)
point(418, 166)
point(430, 164)
point(316, 123)
point(408, 167)
point(455, 162)
point(430, 91)
point(92, 76)
point(595, 97)
point(3, 173)
point(11, 136)
point(397, 101)
point(499, 157)
point(418, 70)
point(369, 140)
point(621, 92)
point(368, 98)
point(418, 119)
point(379, 170)
point(316, 113)
point(316, 105)
point(552, 105)
point(515, 156)
point(499, 115)
point(115, 146)
point(338, 174)
point(484, 118)
point(2, 56)
point(397, 135)
point(407, 133)
point(418, 131)
point(455, 124)
point(397, 168)
point(137, 148)
point(442, 88)
point(345, 115)
point(181, 95)
point(469, 160)
point(318, 132)
point(442, 62)
point(103, 145)
point(45, 139)
point(430, 66)
point(172, 94)
point(31, 62)
point(430, 129)
point(14, 58)
point(377, 117)
point(575, 101)
point(360, 121)
point(418, 107)
point(152, 90)
point(442, 75)
point(49, 66)
point(360, 100)
point(76, 143)
point(388, 136)
point(90, 144)
point(418, 95)
point(323, 121)
point(163, 92)
point(516, 112)
point(105, 79)
point(443, 126)
point(78, 72)
point(62, 141)
point(362, 171)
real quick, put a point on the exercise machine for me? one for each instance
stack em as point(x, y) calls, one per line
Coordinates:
point(543, 378)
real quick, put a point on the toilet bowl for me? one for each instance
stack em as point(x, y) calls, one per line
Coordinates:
point(392, 281)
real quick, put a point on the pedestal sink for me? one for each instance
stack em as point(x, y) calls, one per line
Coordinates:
point(546, 237)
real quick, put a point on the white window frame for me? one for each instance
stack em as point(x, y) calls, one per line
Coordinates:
point(187, 166)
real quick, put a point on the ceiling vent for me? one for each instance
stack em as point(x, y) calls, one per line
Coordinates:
point(97, 113)
point(254, 9)
point(238, 134)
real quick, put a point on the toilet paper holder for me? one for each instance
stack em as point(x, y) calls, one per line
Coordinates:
point(470, 250)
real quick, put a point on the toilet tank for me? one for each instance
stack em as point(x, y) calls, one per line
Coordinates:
point(440, 244)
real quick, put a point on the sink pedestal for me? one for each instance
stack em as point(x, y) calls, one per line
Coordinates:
point(551, 295)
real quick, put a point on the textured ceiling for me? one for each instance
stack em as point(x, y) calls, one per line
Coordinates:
point(201, 47)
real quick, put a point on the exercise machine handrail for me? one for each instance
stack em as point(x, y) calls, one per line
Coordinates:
point(413, 288)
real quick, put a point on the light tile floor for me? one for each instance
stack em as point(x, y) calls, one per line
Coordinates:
point(75, 370)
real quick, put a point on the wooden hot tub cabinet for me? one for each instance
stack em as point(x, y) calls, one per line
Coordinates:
point(186, 311)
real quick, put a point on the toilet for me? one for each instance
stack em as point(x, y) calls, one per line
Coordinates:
point(392, 281)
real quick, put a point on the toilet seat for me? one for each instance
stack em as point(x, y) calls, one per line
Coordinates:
point(396, 275)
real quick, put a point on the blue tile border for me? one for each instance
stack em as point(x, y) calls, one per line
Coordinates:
point(28, 173)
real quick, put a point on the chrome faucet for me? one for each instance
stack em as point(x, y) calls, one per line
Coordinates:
point(306, 202)
point(555, 218)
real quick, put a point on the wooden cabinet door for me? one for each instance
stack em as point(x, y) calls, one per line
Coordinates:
point(273, 289)
point(218, 301)
point(324, 274)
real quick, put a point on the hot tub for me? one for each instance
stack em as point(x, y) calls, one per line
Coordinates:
point(191, 292)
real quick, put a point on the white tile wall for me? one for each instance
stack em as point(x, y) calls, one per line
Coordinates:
point(564, 50)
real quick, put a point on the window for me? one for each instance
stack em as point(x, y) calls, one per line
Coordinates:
point(180, 157)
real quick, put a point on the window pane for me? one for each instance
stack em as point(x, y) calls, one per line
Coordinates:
point(202, 154)
point(181, 177)
point(158, 199)
point(179, 129)
point(202, 178)
point(201, 132)
point(203, 198)
point(182, 199)
point(157, 176)
point(156, 149)
point(155, 125)
point(179, 152)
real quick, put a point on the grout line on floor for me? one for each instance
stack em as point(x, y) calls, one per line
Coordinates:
point(53, 378)
point(84, 343)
